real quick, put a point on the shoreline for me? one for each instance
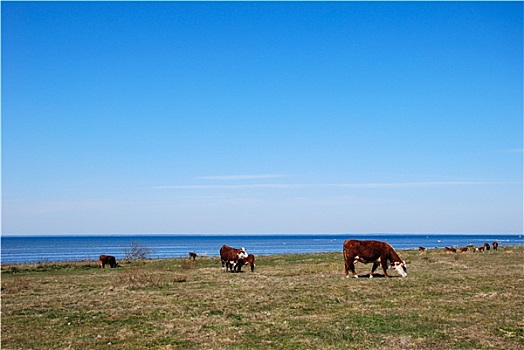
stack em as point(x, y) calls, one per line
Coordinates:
point(19, 250)
point(123, 262)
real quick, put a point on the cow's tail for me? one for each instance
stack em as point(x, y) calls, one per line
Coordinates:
point(346, 259)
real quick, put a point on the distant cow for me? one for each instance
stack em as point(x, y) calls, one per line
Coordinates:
point(464, 249)
point(372, 252)
point(479, 249)
point(487, 246)
point(495, 245)
point(249, 260)
point(230, 256)
point(106, 259)
point(449, 250)
point(421, 249)
point(192, 256)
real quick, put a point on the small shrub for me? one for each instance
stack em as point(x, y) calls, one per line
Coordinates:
point(136, 251)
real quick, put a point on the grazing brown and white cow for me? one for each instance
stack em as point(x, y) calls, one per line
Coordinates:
point(230, 256)
point(249, 260)
point(486, 246)
point(375, 252)
point(479, 249)
point(495, 245)
point(421, 249)
point(106, 259)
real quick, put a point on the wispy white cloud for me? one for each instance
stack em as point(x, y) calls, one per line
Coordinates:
point(234, 186)
point(240, 177)
point(384, 185)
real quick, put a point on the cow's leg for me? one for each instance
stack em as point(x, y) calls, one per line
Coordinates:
point(348, 265)
point(240, 263)
point(375, 265)
point(384, 264)
point(352, 268)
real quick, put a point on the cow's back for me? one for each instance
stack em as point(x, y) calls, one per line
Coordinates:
point(228, 253)
point(224, 252)
point(367, 250)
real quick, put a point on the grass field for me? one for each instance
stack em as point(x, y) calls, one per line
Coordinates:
point(448, 301)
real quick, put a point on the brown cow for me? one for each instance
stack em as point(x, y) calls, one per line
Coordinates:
point(449, 250)
point(249, 260)
point(106, 259)
point(230, 256)
point(464, 249)
point(421, 249)
point(495, 245)
point(371, 251)
point(486, 246)
point(193, 256)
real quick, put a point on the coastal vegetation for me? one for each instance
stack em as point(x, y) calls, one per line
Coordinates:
point(297, 301)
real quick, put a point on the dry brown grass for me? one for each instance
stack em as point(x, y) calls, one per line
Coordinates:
point(448, 301)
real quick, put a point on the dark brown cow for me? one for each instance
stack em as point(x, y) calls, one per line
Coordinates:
point(230, 256)
point(192, 255)
point(106, 259)
point(495, 245)
point(449, 250)
point(464, 249)
point(421, 249)
point(249, 260)
point(486, 246)
point(371, 252)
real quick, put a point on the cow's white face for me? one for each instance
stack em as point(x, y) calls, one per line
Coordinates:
point(401, 268)
point(242, 254)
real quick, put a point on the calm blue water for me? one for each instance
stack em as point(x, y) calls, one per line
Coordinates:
point(69, 248)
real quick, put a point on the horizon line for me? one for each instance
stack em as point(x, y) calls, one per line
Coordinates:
point(254, 234)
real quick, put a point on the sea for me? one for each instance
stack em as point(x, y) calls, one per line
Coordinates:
point(54, 248)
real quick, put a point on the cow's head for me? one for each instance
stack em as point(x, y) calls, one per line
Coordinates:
point(401, 268)
point(242, 254)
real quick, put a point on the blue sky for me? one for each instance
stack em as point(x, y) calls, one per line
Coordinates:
point(247, 117)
